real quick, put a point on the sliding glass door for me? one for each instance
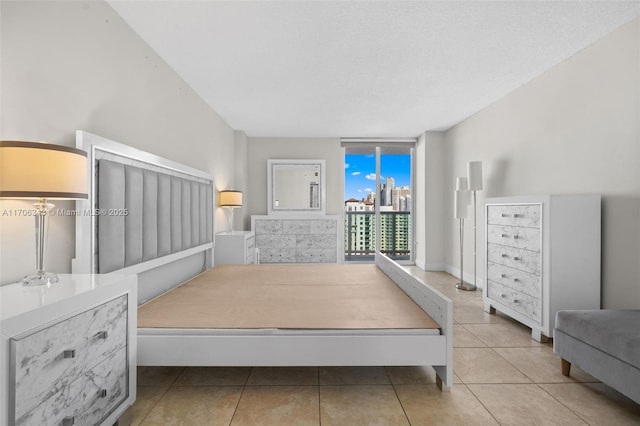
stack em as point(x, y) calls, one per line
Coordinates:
point(378, 201)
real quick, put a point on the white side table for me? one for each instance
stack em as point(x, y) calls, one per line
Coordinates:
point(68, 351)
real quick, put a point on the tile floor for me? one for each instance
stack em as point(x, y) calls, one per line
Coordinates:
point(502, 377)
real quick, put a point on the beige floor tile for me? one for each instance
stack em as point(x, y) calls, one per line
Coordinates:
point(353, 376)
point(503, 335)
point(476, 315)
point(213, 376)
point(483, 365)
point(299, 376)
point(463, 338)
point(421, 375)
point(146, 398)
point(157, 376)
point(195, 406)
point(523, 405)
point(278, 405)
point(366, 405)
point(541, 365)
point(596, 403)
point(426, 405)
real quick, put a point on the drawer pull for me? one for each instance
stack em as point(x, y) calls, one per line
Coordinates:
point(515, 237)
point(102, 335)
point(102, 393)
point(68, 421)
point(503, 275)
point(505, 255)
point(516, 301)
point(69, 353)
point(516, 258)
point(503, 295)
point(504, 215)
point(515, 280)
point(517, 215)
point(504, 235)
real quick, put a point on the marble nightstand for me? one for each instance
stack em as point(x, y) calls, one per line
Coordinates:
point(68, 351)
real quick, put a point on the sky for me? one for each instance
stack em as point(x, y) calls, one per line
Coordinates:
point(360, 172)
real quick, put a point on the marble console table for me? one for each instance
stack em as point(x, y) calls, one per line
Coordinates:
point(296, 238)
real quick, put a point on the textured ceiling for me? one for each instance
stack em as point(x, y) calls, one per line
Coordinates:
point(363, 68)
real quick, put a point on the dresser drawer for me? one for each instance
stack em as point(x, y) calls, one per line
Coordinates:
point(88, 399)
point(527, 215)
point(514, 236)
point(49, 360)
point(521, 259)
point(515, 279)
point(522, 303)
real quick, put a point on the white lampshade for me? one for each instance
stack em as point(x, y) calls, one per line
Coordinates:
point(460, 205)
point(474, 174)
point(462, 184)
point(42, 170)
point(230, 198)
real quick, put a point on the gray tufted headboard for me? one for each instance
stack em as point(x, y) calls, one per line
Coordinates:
point(147, 215)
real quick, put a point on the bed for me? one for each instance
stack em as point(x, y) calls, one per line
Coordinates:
point(191, 314)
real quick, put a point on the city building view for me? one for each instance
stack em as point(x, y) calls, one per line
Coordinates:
point(395, 221)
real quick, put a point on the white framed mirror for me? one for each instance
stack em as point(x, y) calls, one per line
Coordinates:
point(296, 186)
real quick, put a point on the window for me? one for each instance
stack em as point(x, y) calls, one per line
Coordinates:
point(378, 180)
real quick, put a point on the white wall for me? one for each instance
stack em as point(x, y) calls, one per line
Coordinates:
point(259, 150)
point(76, 65)
point(575, 129)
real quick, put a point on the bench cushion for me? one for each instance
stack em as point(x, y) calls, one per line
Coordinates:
point(616, 332)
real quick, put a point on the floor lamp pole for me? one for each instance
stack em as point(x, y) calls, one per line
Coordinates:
point(475, 233)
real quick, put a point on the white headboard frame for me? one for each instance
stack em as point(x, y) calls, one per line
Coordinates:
point(86, 219)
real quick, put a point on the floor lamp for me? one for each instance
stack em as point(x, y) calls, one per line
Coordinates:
point(474, 177)
point(42, 171)
point(460, 213)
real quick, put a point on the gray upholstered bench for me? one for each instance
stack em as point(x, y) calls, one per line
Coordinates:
point(604, 343)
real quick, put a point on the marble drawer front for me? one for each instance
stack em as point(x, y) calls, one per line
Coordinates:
point(513, 236)
point(296, 240)
point(88, 399)
point(250, 251)
point(49, 360)
point(515, 279)
point(518, 301)
point(523, 260)
point(527, 215)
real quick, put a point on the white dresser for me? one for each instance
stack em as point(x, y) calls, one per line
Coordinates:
point(68, 351)
point(297, 238)
point(237, 247)
point(542, 256)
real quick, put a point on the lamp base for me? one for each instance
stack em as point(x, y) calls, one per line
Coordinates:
point(466, 286)
point(41, 278)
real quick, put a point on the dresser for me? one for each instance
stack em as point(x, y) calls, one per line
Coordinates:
point(237, 247)
point(296, 238)
point(542, 255)
point(69, 350)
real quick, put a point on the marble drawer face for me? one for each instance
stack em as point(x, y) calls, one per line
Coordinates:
point(269, 255)
point(515, 279)
point(41, 368)
point(88, 399)
point(522, 303)
point(523, 260)
point(514, 236)
point(527, 215)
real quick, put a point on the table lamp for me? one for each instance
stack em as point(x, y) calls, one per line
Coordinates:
point(230, 199)
point(41, 171)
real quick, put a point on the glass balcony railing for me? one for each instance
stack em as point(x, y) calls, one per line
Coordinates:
point(360, 235)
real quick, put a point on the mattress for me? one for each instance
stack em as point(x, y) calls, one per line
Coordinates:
point(307, 297)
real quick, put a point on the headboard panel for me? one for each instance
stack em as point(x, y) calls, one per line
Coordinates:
point(141, 219)
point(146, 213)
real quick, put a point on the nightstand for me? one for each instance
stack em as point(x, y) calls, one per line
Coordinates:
point(69, 350)
point(237, 247)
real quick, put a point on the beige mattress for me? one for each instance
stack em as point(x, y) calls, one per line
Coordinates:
point(287, 297)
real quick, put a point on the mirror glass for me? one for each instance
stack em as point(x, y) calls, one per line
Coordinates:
point(296, 186)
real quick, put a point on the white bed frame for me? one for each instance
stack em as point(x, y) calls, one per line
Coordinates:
point(283, 347)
